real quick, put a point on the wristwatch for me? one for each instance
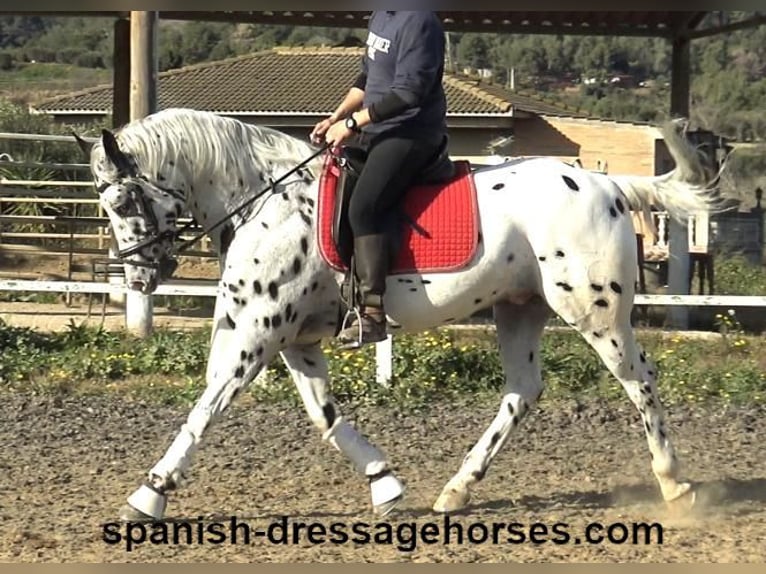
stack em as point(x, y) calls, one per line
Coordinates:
point(352, 124)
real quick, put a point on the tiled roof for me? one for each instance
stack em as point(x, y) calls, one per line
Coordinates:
point(286, 81)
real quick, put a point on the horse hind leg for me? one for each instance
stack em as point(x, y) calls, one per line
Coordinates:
point(605, 324)
point(519, 331)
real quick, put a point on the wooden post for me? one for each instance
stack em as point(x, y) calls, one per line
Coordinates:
point(384, 359)
point(143, 101)
point(121, 79)
point(120, 114)
point(678, 248)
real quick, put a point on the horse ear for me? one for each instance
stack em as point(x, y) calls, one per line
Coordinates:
point(115, 154)
point(84, 146)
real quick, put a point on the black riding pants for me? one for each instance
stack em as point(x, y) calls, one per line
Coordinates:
point(393, 164)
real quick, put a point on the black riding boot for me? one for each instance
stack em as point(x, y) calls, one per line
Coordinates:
point(371, 257)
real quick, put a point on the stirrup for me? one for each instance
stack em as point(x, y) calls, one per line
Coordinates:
point(350, 345)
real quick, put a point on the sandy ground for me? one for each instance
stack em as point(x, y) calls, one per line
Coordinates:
point(67, 464)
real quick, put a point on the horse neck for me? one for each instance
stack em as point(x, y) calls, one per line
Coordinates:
point(232, 196)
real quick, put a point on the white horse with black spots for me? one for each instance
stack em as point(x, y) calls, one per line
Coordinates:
point(555, 239)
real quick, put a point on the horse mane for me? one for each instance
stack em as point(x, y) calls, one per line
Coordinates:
point(200, 144)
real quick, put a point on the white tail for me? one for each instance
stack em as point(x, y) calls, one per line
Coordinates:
point(688, 189)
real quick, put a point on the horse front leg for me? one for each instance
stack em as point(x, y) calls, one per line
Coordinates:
point(237, 356)
point(308, 367)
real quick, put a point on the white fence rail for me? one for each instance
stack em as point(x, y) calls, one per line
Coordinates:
point(384, 350)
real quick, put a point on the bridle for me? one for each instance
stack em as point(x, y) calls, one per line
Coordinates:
point(154, 236)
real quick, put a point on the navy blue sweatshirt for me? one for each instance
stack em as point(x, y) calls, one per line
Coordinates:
point(402, 71)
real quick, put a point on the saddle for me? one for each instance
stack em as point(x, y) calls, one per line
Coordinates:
point(435, 227)
point(351, 160)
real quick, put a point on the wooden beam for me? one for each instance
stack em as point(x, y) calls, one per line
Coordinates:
point(752, 22)
point(678, 259)
point(121, 80)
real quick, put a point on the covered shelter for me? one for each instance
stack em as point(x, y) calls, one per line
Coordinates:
point(135, 74)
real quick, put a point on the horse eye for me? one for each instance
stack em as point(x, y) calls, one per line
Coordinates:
point(123, 210)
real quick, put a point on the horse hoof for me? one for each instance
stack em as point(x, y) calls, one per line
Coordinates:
point(683, 502)
point(386, 492)
point(130, 514)
point(145, 502)
point(451, 500)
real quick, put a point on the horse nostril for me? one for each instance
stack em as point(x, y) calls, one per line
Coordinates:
point(136, 285)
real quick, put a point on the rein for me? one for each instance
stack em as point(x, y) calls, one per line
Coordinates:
point(148, 214)
point(269, 188)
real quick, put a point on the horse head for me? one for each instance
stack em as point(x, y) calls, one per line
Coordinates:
point(143, 216)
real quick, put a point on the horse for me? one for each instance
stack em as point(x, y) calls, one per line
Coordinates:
point(554, 239)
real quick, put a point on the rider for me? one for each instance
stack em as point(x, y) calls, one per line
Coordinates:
point(398, 108)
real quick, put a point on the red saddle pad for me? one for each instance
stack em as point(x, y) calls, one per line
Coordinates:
point(446, 217)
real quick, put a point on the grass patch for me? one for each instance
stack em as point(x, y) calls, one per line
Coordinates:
point(440, 365)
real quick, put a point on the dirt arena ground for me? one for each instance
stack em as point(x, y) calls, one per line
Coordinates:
point(67, 464)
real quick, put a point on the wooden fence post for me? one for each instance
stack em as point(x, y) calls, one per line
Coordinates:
point(143, 101)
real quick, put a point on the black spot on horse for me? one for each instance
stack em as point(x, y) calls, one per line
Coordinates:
point(601, 303)
point(498, 186)
point(510, 257)
point(310, 201)
point(306, 219)
point(648, 427)
point(276, 321)
point(479, 474)
point(413, 289)
point(615, 344)
point(642, 356)
point(230, 322)
point(514, 421)
point(542, 258)
point(240, 372)
point(242, 355)
point(256, 260)
point(265, 225)
point(328, 411)
point(613, 212)
point(531, 356)
point(559, 253)
point(597, 288)
point(273, 290)
point(257, 287)
point(296, 265)
point(620, 205)
point(304, 245)
point(426, 281)
point(597, 334)
point(615, 287)
point(477, 301)
point(309, 362)
point(267, 322)
point(565, 286)
point(570, 183)
point(493, 440)
point(288, 310)
point(510, 409)
point(259, 351)
point(233, 288)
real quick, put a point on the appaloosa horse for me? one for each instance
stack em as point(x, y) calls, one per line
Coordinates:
point(551, 238)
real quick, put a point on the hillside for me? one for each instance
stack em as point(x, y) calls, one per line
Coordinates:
point(618, 78)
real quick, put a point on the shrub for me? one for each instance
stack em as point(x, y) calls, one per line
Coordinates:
point(435, 366)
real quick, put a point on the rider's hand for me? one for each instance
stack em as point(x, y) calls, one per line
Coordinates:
point(320, 129)
point(337, 134)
